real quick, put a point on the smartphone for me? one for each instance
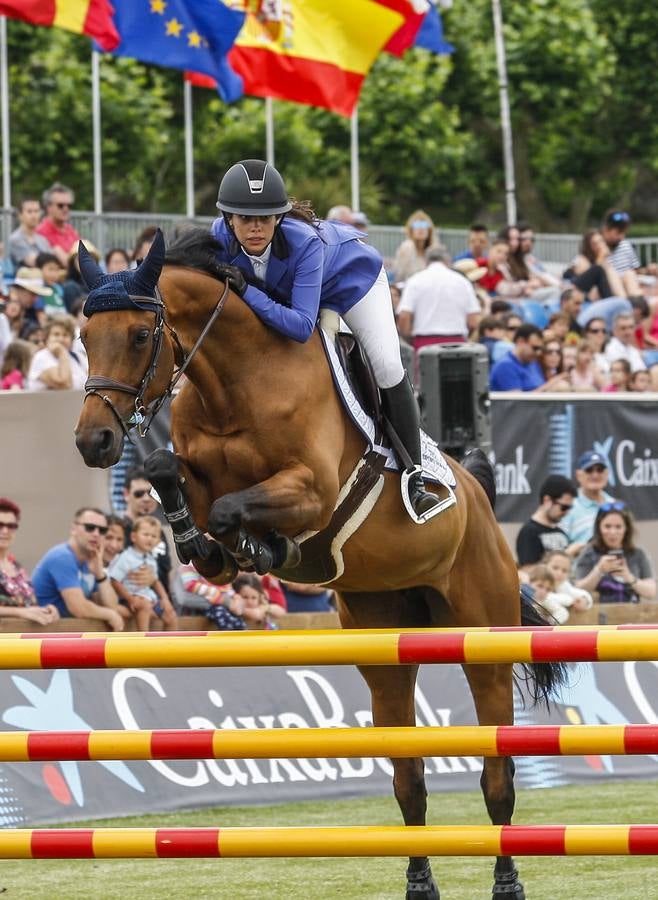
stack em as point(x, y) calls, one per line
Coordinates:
point(615, 552)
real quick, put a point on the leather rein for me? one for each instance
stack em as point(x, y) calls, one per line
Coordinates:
point(142, 417)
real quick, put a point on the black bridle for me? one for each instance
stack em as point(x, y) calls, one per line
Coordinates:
point(142, 417)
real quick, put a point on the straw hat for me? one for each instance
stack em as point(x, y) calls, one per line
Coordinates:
point(31, 280)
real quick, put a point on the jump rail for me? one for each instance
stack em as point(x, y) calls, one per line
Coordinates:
point(439, 840)
point(349, 647)
point(281, 743)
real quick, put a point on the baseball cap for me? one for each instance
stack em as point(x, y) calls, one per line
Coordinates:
point(617, 218)
point(591, 458)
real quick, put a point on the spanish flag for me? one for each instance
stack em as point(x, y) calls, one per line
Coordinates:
point(312, 51)
point(90, 17)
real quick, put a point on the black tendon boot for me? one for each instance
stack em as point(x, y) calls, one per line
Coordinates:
point(402, 411)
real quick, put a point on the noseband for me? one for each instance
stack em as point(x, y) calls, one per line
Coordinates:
point(142, 417)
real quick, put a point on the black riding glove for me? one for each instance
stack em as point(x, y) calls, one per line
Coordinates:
point(236, 280)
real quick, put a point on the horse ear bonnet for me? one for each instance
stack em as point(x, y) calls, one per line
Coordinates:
point(112, 292)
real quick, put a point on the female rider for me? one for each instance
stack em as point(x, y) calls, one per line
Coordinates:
point(313, 264)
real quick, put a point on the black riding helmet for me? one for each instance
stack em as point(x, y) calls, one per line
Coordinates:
point(253, 188)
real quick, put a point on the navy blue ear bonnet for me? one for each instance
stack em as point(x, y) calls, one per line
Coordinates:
point(108, 293)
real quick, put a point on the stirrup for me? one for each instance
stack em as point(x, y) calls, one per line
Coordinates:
point(438, 507)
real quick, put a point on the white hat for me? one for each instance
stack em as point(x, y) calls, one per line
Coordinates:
point(31, 280)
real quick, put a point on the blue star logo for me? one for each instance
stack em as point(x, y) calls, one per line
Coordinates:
point(52, 710)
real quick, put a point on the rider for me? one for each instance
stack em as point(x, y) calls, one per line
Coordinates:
point(311, 264)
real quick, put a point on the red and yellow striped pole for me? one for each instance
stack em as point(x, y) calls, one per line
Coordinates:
point(349, 647)
point(427, 840)
point(281, 743)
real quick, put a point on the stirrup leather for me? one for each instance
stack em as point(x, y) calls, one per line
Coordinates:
point(440, 505)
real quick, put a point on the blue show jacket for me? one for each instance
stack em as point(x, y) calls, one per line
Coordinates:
point(328, 266)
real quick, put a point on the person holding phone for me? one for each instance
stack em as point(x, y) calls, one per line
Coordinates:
point(611, 564)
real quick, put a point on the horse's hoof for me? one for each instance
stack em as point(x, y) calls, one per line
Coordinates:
point(286, 554)
point(219, 565)
point(421, 885)
point(508, 887)
point(252, 555)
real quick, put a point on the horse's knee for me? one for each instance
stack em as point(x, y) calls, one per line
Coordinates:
point(225, 515)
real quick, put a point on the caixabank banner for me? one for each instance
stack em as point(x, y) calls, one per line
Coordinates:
point(73, 700)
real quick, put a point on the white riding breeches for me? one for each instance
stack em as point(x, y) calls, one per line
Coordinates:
point(373, 323)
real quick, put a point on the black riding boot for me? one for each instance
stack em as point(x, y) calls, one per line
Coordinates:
point(402, 411)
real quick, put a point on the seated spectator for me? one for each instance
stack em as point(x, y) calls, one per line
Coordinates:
point(16, 365)
point(519, 280)
point(57, 367)
point(558, 327)
point(143, 244)
point(25, 243)
point(551, 363)
point(28, 288)
point(340, 213)
point(245, 606)
point(640, 382)
point(622, 344)
point(71, 575)
point(559, 564)
point(592, 477)
point(35, 335)
point(519, 369)
point(611, 564)
point(478, 243)
point(52, 275)
point(13, 316)
point(591, 271)
point(542, 582)
point(410, 255)
point(571, 303)
point(620, 377)
point(143, 601)
point(511, 322)
point(115, 539)
point(496, 265)
point(542, 532)
point(490, 331)
point(623, 258)
point(585, 376)
point(307, 597)
point(595, 336)
point(139, 502)
point(17, 598)
point(116, 260)
point(55, 225)
point(438, 305)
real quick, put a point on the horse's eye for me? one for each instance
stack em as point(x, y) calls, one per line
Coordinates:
point(142, 337)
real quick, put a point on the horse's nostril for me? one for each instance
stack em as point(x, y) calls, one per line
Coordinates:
point(106, 440)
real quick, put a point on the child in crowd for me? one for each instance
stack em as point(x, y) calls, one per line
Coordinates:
point(641, 381)
point(52, 273)
point(143, 601)
point(16, 365)
point(542, 582)
point(620, 377)
point(115, 540)
point(245, 604)
point(558, 564)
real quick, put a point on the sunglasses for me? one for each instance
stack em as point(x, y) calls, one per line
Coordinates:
point(89, 528)
point(597, 469)
point(619, 217)
point(63, 205)
point(139, 494)
point(552, 350)
point(596, 331)
point(537, 348)
point(565, 507)
point(11, 526)
point(617, 506)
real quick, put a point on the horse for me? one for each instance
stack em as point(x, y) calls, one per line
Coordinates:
point(263, 446)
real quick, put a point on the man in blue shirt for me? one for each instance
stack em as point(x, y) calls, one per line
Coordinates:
point(519, 370)
point(592, 477)
point(71, 576)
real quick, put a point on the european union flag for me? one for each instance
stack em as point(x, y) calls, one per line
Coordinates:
point(430, 33)
point(181, 34)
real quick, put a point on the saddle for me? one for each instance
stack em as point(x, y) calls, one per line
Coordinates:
point(356, 366)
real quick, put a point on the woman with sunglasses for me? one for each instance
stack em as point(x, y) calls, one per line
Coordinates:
point(410, 255)
point(611, 564)
point(17, 598)
point(595, 336)
point(551, 363)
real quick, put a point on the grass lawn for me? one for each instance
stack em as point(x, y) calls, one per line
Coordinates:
point(577, 878)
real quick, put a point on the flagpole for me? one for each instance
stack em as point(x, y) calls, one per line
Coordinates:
point(189, 149)
point(505, 116)
point(4, 127)
point(97, 153)
point(269, 130)
point(354, 159)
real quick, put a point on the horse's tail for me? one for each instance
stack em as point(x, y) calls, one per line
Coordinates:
point(542, 680)
point(477, 463)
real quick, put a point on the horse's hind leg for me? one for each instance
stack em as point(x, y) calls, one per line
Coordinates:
point(492, 689)
point(210, 558)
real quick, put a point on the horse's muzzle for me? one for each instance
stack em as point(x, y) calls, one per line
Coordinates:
point(99, 447)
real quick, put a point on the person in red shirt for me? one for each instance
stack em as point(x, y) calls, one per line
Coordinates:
point(55, 226)
point(497, 257)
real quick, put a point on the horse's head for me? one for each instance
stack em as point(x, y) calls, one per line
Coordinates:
point(131, 356)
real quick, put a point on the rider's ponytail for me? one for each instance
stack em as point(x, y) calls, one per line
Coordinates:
point(302, 209)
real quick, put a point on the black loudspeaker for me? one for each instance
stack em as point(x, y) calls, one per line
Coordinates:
point(454, 396)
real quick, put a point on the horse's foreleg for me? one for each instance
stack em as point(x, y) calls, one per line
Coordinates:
point(259, 515)
point(392, 690)
point(493, 695)
point(209, 558)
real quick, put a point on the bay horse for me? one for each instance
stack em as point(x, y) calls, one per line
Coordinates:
point(263, 445)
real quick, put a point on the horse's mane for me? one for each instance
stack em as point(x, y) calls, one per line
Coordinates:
point(196, 248)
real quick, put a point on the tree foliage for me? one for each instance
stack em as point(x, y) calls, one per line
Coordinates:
point(582, 97)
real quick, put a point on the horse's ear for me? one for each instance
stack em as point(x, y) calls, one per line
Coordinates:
point(89, 268)
point(147, 273)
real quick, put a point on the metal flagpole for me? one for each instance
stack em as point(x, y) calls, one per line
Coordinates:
point(189, 149)
point(4, 115)
point(98, 157)
point(354, 159)
point(269, 130)
point(505, 117)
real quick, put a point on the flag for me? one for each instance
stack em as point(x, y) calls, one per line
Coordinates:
point(182, 34)
point(312, 51)
point(430, 36)
point(90, 17)
point(405, 36)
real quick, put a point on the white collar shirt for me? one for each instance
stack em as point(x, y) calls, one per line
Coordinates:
point(440, 301)
point(259, 263)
